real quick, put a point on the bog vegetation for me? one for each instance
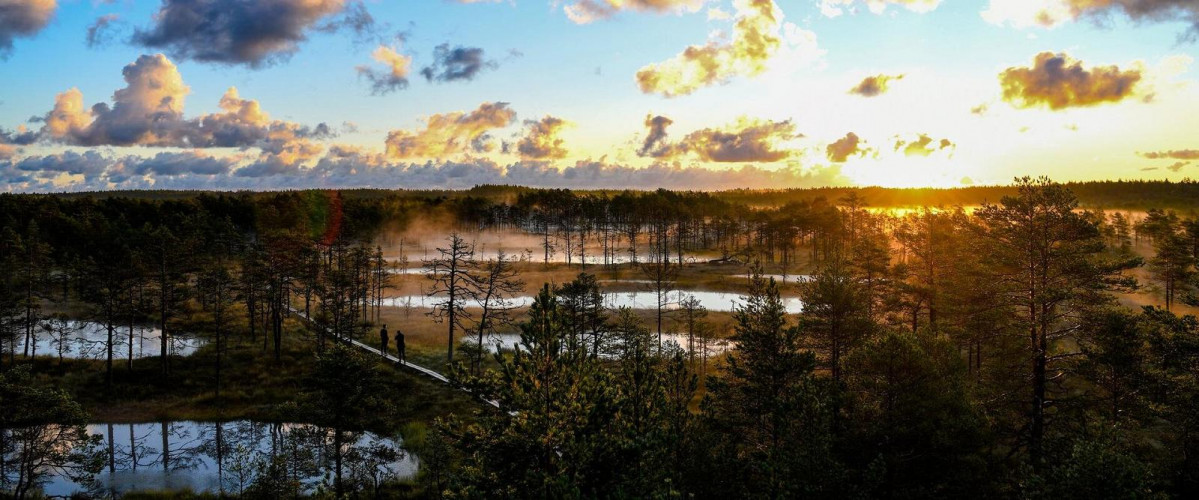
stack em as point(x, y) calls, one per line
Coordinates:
point(1031, 341)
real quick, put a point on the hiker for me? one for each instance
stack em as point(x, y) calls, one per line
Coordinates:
point(400, 346)
point(383, 338)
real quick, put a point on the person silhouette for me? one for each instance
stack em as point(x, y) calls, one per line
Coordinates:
point(383, 339)
point(400, 346)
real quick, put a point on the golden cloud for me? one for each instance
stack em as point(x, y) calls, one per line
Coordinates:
point(142, 113)
point(755, 39)
point(923, 145)
point(148, 111)
point(746, 141)
point(850, 145)
point(1057, 82)
point(394, 77)
point(451, 134)
point(874, 85)
point(1180, 154)
point(541, 140)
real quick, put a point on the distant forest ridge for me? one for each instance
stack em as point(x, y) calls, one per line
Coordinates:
point(1119, 194)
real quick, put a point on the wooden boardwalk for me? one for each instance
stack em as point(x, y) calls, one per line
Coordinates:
point(428, 372)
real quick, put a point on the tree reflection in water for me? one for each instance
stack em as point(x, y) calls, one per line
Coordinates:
point(240, 457)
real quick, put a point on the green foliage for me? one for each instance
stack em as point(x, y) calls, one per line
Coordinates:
point(571, 424)
point(910, 412)
point(42, 432)
point(771, 413)
point(1090, 468)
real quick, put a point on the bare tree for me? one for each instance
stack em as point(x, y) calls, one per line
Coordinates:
point(452, 281)
point(661, 275)
point(496, 283)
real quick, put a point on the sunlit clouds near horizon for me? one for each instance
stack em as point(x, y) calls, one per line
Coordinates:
point(640, 94)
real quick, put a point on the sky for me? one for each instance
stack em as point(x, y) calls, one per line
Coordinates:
point(640, 94)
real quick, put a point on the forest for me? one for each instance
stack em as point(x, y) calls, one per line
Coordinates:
point(1037, 340)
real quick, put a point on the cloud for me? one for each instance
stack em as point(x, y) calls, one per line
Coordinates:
point(541, 140)
point(451, 134)
point(395, 77)
point(89, 164)
point(235, 31)
point(845, 147)
point(923, 145)
point(1050, 13)
point(749, 141)
point(718, 14)
point(349, 168)
point(834, 8)
point(177, 164)
point(148, 111)
point(1057, 82)
point(98, 33)
point(754, 41)
point(243, 123)
point(1178, 166)
point(655, 138)
point(746, 141)
point(357, 19)
point(144, 112)
point(1180, 154)
point(458, 63)
point(588, 11)
point(23, 18)
point(874, 85)
point(22, 137)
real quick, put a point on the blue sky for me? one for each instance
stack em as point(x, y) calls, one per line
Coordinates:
point(764, 121)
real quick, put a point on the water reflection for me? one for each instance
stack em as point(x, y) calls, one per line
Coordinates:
point(230, 457)
point(712, 301)
point(594, 257)
point(75, 339)
point(510, 341)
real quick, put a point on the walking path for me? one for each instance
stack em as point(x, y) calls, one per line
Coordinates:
point(374, 350)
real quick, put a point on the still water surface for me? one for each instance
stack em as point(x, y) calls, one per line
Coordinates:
point(214, 457)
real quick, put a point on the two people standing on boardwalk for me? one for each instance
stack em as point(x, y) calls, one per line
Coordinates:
point(399, 343)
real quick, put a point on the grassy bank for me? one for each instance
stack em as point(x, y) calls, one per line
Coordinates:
point(252, 384)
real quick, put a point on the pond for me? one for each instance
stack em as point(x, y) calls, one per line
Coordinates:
point(77, 339)
point(225, 457)
point(712, 301)
point(508, 342)
point(595, 257)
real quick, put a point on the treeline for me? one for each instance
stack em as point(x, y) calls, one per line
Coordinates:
point(220, 268)
point(944, 354)
point(1108, 194)
point(122, 261)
